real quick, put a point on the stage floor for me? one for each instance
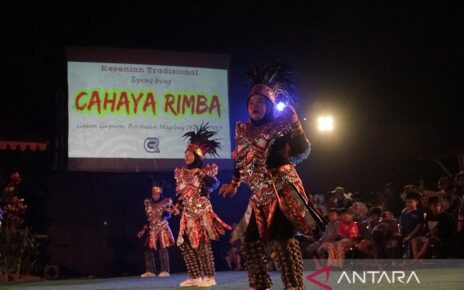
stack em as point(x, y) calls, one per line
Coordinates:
point(444, 278)
point(225, 281)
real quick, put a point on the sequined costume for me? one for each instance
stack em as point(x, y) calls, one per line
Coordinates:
point(278, 186)
point(266, 153)
point(279, 202)
point(198, 223)
point(159, 235)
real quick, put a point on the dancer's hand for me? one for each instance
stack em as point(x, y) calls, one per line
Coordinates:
point(141, 233)
point(228, 189)
point(175, 209)
point(291, 114)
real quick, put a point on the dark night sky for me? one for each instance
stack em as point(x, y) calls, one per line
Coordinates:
point(390, 72)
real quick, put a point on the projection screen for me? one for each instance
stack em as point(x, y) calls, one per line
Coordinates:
point(128, 109)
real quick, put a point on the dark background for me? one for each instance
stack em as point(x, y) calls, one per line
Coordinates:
point(390, 72)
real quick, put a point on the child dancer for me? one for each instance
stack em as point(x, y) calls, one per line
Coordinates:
point(199, 223)
point(268, 147)
point(159, 235)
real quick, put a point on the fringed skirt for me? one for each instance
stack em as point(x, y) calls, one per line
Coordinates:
point(202, 226)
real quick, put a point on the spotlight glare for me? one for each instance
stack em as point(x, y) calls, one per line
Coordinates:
point(325, 123)
point(280, 106)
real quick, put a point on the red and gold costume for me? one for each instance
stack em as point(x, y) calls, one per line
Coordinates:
point(266, 153)
point(159, 235)
point(199, 223)
point(272, 187)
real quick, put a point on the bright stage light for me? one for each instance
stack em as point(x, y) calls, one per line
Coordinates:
point(280, 106)
point(325, 123)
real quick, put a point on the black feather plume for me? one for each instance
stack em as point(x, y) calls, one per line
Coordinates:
point(202, 137)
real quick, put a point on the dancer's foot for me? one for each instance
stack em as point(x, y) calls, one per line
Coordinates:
point(148, 275)
point(191, 282)
point(164, 274)
point(207, 282)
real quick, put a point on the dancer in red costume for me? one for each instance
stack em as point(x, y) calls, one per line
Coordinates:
point(159, 235)
point(199, 223)
point(269, 146)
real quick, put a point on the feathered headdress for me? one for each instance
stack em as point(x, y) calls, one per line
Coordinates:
point(273, 82)
point(200, 141)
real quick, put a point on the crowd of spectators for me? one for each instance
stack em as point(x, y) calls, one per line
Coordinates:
point(414, 224)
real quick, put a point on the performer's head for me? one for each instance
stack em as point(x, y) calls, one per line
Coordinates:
point(192, 158)
point(260, 108)
point(156, 190)
point(200, 143)
point(268, 87)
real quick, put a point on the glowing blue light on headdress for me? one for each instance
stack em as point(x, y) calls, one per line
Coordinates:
point(280, 106)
